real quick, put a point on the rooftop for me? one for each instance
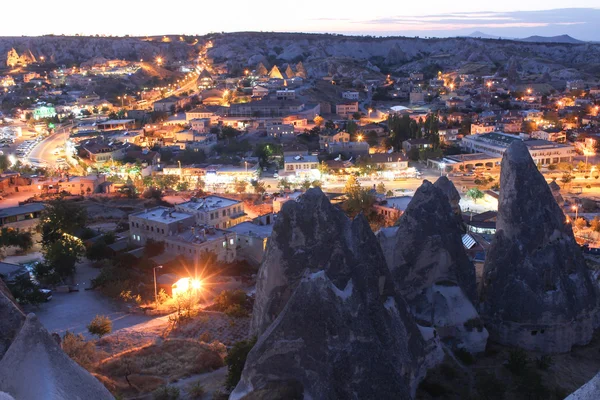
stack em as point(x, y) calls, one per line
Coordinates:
point(504, 140)
point(198, 235)
point(208, 203)
point(162, 214)
point(24, 209)
point(301, 158)
point(251, 229)
point(399, 203)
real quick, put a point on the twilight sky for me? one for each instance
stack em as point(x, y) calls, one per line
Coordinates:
point(507, 18)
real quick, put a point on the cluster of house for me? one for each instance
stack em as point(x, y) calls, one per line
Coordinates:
point(212, 224)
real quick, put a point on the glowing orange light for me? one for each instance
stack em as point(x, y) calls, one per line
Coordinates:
point(186, 285)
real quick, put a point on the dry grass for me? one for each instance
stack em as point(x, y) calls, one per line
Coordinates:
point(152, 366)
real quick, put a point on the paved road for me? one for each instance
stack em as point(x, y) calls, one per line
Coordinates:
point(73, 311)
point(44, 154)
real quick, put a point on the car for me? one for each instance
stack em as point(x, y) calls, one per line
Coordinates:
point(275, 175)
point(47, 294)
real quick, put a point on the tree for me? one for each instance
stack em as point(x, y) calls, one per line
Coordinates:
point(323, 168)
point(153, 248)
point(240, 186)
point(330, 125)
point(358, 201)
point(101, 325)
point(61, 217)
point(580, 223)
point(235, 360)
point(15, 237)
point(305, 185)
point(352, 186)
point(381, 188)
point(317, 183)
point(566, 178)
point(351, 127)
point(259, 187)
point(4, 162)
point(595, 224)
point(61, 256)
point(475, 194)
point(284, 184)
point(319, 120)
point(24, 290)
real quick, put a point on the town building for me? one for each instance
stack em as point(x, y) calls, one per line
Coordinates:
point(252, 237)
point(285, 94)
point(330, 136)
point(347, 108)
point(301, 165)
point(280, 130)
point(99, 152)
point(477, 129)
point(350, 95)
point(348, 149)
point(198, 113)
point(542, 151)
point(392, 208)
point(216, 211)
point(279, 201)
point(25, 217)
point(419, 144)
point(114, 124)
point(389, 161)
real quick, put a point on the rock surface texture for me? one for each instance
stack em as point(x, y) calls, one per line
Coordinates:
point(331, 325)
point(536, 289)
point(34, 366)
point(589, 391)
point(430, 267)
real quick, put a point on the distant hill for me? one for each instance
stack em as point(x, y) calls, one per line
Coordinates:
point(551, 39)
point(481, 35)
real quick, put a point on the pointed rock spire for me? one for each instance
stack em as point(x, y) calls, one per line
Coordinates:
point(261, 70)
point(275, 73)
point(300, 71)
point(325, 303)
point(537, 292)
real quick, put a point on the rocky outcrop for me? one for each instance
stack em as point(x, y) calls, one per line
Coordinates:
point(589, 391)
point(430, 267)
point(555, 189)
point(537, 292)
point(329, 320)
point(446, 186)
point(32, 364)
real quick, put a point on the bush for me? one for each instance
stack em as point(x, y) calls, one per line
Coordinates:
point(166, 393)
point(101, 325)
point(236, 311)
point(517, 361)
point(235, 360)
point(448, 371)
point(532, 386)
point(196, 390)
point(464, 356)
point(82, 352)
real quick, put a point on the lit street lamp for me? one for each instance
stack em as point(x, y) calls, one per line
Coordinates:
point(155, 292)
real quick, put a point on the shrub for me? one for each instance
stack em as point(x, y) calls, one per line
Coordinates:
point(464, 356)
point(101, 325)
point(196, 390)
point(82, 352)
point(517, 361)
point(235, 360)
point(544, 362)
point(236, 311)
point(166, 393)
point(532, 386)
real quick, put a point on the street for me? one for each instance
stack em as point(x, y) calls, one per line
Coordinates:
point(46, 152)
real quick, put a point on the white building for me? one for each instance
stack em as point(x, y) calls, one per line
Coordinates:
point(350, 95)
point(216, 211)
point(280, 130)
point(301, 165)
point(542, 151)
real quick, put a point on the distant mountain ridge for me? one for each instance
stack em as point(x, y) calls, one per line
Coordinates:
point(530, 39)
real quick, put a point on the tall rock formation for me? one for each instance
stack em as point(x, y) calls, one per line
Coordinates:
point(33, 366)
point(331, 324)
point(446, 186)
point(289, 73)
point(537, 292)
point(430, 267)
point(301, 71)
point(589, 391)
point(275, 73)
point(261, 70)
point(12, 58)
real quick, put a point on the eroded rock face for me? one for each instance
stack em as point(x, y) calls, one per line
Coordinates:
point(330, 322)
point(430, 267)
point(536, 290)
point(35, 367)
point(589, 391)
point(11, 319)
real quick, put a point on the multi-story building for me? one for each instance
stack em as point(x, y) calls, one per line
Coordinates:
point(99, 153)
point(181, 235)
point(280, 130)
point(478, 129)
point(389, 161)
point(285, 94)
point(392, 208)
point(301, 165)
point(332, 137)
point(216, 211)
point(542, 151)
point(346, 108)
point(198, 113)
